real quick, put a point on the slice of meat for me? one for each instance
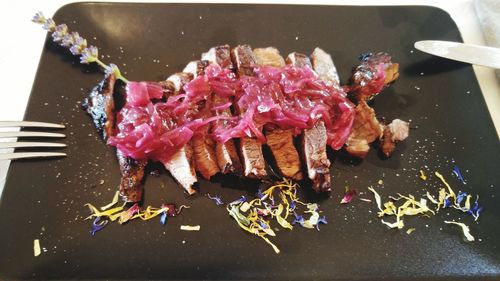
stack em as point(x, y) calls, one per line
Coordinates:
point(131, 187)
point(225, 153)
point(219, 55)
point(365, 130)
point(313, 141)
point(373, 74)
point(269, 56)
point(181, 165)
point(323, 65)
point(397, 130)
point(203, 146)
point(100, 105)
point(280, 141)
point(298, 60)
point(250, 148)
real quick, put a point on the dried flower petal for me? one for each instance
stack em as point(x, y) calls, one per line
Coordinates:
point(348, 196)
point(190, 227)
point(112, 203)
point(410, 231)
point(98, 225)
point(422, 175)
point(465, 230)
point(217, 199)
point(163, 218)
point(36, 248)
point(458, 174)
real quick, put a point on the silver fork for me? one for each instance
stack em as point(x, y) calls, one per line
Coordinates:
point(14, 134)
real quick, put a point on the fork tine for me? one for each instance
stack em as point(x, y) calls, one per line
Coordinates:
point(30, 124)
point(19, 155)
point(30, 134)
point(30, 144)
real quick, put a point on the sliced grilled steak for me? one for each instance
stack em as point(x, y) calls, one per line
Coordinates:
point(398, 130)
point(280, 141)
point(298, 60)
point(323, 65)
point(181, 165)
point(250, 148)
point(226, 153)
point(100, 105)
point(365, 130)
point(203, 146)
point(313, 141)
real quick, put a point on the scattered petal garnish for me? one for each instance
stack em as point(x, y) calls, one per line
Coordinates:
point(458, 174)
point(36, 248)
point(217, 199)
point(365, 199)
point(410, 230)
point(465, 230)
point(448, 199)
point(410, 207)
point(279, 202)
point(349, 195)
point(422, 175)
point(123, 215)
point(190, 227)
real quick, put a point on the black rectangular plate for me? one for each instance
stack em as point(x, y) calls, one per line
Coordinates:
point(45, 199)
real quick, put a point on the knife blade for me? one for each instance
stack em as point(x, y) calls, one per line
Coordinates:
point(469, 53)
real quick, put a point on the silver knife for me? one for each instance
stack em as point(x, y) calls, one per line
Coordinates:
point(474, 54)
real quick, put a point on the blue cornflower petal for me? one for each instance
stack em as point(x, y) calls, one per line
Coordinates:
point(321, 220)
point(163, 218)
point(298, 219)
point(447, 203)
point(217, 199)
point(97, 226)
point(461, 196)
point(458, 174)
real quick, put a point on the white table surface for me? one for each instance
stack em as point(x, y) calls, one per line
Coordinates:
point(22, 43)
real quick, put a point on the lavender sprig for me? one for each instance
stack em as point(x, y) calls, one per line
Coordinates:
point(76, 44)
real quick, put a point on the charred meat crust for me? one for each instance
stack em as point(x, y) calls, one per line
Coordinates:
point(250, 148)
point(131, 187)
point(313, 142)
point(100, 105)
point(225, 153)
point(280, 141)
point(205, 161)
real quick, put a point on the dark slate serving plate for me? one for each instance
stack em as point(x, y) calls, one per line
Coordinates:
point(45, 199)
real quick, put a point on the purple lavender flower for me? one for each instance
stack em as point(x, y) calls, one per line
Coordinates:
point(60, 33)
point(89, 55)
point(39, 18)
point(78, 45)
